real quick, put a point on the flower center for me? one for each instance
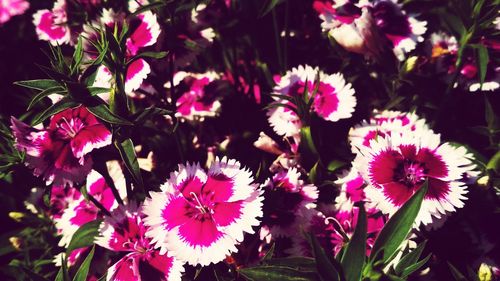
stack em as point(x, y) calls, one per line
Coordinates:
point(202, 208)
point(69, 129)
point(410, 173)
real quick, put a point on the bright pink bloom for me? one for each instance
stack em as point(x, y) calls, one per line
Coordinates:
point(52, 25)
point(333, 101)
point(199, 217)
point(288, 205)
point(10, 8)
point(125, 231)
point(198, 101)
point(60, 153)
point(396, 166)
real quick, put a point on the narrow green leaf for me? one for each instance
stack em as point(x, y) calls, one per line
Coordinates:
point(103, 112)
point(61, 105)
point(62, 274)
point(294, 262)
point(494, 163)
point(77, 55)
point(83, 271)
point(84, 236)
point(355, 254)
point(410, 258)
point(334, 165)
point(268, 6)
point(398, 227)
point(323, 263)
point(127, 152)
point(269, 254)
point(40, 84)
point(414, 267)
point(482, 61)
point(457, 275)
point(489, 114)
point(38, 97)
point(102, 54)
point(276, 273)
point(98, 90)
point(150, 112)
point(153, 55)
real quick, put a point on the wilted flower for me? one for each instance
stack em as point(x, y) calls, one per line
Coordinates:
point(396, 166)
point(288, 205)
point(60, 153)
point(10, 8)
point(124, 231)
point(199, 217)
point(333, 101)
point(52, 25)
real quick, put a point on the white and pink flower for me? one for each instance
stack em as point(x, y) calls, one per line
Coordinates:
point(124, 231)
point(333, 101)
point(396, 166)
point(10, 8)
point(199, 217)
point(288, 205)
point(197, 101)
point(60, 153)
point(52, 25)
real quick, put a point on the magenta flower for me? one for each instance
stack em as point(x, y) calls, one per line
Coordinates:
point(334, 100)
point(396, 166)
point(199, 217)
point(125, 231)
point(288, 205)
point(60, 153)
point(52, 25)
point(198, 100)
point(10, 8)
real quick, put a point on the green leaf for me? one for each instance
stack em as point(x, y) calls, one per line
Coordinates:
point(62, 274)
point(98, 90)
point(40, 84)
point(490, 115)
point(151, 111)
point(334, 165)
point(103, 112)
point(33, 275)
point(38, 97)
point(494, 163)
point(83, 271)
point(276, 273)
point(398, 227)
point(410, 258)
point(84, 236)
point(269, 254)
point(482, 61)
point(268, 6)
point(414, 267)
point(127, 152)
point(61, 105)
point(354, 256)
point(306, 263)
point(323, 262)
point(77, 55)
point(457, 275)
point(153, 55)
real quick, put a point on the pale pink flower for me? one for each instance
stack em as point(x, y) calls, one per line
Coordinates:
point(199, 217)
point(124, 231)
point(60, 153)
point(10, 8)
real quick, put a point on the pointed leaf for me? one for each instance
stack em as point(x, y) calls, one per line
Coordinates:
point(276, 273)
point(323, 262)
point(410, 258)
point(294, 262)
point(127, 152)
point(354, 256)
point(38, 97)
point(103, 112)
point(153, 55)
point(414, 267)
point(62, 274)
point(398, 227)
point(84, 236)
point(40, 84)
point(77, 55)
point(482, 61)
point(457, 275)
point(269, 254)
point(83, 271)
point(61, 105)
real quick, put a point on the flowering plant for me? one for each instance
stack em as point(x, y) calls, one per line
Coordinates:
point(249, 140)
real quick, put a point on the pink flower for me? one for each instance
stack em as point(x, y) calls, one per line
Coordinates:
point(199, 217)
point(143, 32)
point(125, 231)
point(198, 100)
point(10, 8)
point(334, 100)
point(396, 166)
point(289, 203)
point(52, 25)
point(60, 153)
